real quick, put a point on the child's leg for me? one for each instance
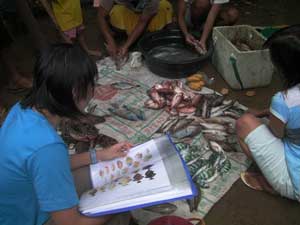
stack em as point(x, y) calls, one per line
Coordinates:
point(17, 79)
point(24, 12)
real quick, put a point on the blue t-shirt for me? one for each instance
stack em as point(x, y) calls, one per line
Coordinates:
point(286, 107)
point(35, 174)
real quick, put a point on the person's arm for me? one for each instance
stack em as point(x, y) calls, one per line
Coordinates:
point(259, 113)
point(181, 17)
point(276, 126)
point(49, 10)
point(73, 217)
point(115, 151)
point(181, 22)
point(137, 31)
point(209, 23)
point(103, 16)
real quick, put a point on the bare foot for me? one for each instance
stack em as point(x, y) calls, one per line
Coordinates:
point(95, 53)
point(257, 182)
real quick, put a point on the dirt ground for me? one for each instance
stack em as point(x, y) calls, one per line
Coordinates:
point(241, 205)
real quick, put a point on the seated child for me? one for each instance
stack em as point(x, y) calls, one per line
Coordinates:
point(195, 13)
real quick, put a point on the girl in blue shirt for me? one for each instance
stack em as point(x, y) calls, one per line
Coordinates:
point(275, 147)
point(36, 182)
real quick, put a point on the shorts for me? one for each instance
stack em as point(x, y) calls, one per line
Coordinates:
point(5, 38)
point(125, 19)
point(74, 32)
point(268, 152)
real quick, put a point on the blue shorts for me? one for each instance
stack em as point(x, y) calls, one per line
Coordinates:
point(268, 152)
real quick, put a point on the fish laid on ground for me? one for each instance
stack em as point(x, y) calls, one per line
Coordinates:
point(213, 126)
point(217, 101)
point(221, 120)
point(217, 111)
point(167, 125)
point(182, 123)
point(186, 110)
point(213, 137)
point(189, 131)
point(123, 85)
point(194, 202)
point(216, 147)
point(233, 115)
point(138, 112)
point(152, 104)
point(215, 132)
point(166, 208)
point(123, 113)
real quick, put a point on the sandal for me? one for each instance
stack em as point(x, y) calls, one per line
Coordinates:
point(252, 181)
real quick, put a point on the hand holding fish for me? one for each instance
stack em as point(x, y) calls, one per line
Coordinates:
point(200, 46)
point(112, 49)
point(123, 52)
point(190, 39)
point(116, 151)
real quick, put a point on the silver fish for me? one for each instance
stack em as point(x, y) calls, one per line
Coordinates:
point(205, 109)
point(213, 137)
point(233, 115)
point(182, 123)
point(213, 126)
point(168, 124)
point(123, 85)
point(221, 120)
point(217, 101)
point(166, 208)
point(215, 132)
point(216, 147)
point(123, 113)
point(226, 105)
point(194, 202)
point(189, 131)
point(138, 112)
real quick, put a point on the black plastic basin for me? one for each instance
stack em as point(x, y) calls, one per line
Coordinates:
point(167, 54)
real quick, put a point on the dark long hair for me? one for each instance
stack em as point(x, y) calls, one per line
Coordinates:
point(284, 48)
point(61, 72)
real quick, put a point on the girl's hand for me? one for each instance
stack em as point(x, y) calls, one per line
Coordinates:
point(190, 39)
point(116, 151)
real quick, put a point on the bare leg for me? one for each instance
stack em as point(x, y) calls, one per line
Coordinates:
point(244, 126)
point(17, 80)
point(25, 13)
point(83, 44)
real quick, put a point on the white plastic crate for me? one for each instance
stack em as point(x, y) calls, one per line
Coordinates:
point(241, 69)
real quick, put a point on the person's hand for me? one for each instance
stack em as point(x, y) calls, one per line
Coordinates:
point(190, 39)
point(115, 151)
point(123, 52)
point(202, 45)
point(112, 49)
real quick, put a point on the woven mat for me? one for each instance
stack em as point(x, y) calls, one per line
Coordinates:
point(141, 131)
